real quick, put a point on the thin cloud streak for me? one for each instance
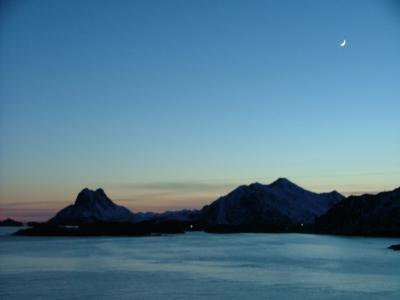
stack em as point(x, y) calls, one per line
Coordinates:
point(181, 186)
point(189, 186)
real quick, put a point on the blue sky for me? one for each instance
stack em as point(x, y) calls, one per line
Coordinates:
point(169, 104)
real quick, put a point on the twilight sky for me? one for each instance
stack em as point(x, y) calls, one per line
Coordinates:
point(170, 104)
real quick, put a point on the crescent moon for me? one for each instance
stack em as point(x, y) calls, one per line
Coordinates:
point(343, 43)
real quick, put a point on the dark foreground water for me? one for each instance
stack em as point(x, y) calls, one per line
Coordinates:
point(199, 266)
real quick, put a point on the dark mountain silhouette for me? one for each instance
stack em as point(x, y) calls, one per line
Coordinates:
point(92, 207)
point(395, 247)
point(363, 215)
point(10, 222)
point(94, 214)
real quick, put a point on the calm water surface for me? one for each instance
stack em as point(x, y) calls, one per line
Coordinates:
point(199, 266)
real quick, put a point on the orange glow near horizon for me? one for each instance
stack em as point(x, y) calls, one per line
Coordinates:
point(171, 197)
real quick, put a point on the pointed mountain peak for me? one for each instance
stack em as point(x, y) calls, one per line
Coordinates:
point(335, 192)
point(283, 182)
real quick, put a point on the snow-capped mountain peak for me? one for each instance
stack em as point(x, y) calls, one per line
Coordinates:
point(284, 183)
point(281, 203)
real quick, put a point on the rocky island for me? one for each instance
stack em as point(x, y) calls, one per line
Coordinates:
point(11, 223)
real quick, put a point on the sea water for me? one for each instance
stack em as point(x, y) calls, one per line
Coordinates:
point(199, 265)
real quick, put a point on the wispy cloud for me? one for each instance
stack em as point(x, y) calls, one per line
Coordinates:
point(185, 186)
point(160, 196)
point(27, 213)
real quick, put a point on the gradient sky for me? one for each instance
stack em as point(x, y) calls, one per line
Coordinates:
point(170, 104)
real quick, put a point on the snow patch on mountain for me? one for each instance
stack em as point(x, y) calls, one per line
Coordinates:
point(281, 203)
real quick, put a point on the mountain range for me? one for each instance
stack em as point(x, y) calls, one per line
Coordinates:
point(281, 206)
